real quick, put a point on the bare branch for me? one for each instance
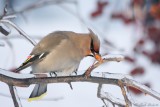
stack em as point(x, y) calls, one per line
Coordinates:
point(9, 17)
point(128, 103)
point(99, 93)
point(70, 84)
point(107, 96)
point(19, 30)
point(17, 36)
point(107, 59)
point(28, 79)
point(16, 100)
point(22, 80)
point(141, 87)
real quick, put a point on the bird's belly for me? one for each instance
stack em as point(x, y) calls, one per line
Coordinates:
point(64, 66)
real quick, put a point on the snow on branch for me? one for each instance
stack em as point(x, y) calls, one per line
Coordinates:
point(110, 98)
point(121, 80)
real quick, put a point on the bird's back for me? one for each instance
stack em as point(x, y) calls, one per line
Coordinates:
point(49, 42)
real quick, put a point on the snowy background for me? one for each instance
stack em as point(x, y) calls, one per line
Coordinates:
point(39, 22)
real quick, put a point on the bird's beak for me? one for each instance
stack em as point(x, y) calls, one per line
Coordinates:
point(98, 57)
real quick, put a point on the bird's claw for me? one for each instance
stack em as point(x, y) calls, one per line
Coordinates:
point(51, 74)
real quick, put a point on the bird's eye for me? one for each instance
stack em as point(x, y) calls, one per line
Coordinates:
point(92, 46)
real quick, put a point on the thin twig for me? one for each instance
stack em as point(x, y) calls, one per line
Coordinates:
point(70, 84)
point(128, 103)
point(141, 87)
point(9, 17)
point(19, 30)
point(95, 65)
point(106, 96)
point(17, 36)
point(15, 98)
point(99, 94)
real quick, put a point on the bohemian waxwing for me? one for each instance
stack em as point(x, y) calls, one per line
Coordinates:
point(60, 52)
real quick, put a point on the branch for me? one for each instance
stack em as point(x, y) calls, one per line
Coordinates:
point(16, 100)
point(5, 20)
point(143, 88)
point(19, 30)
point(123, 81)
point(106, 59)
point(15, 79)
point(128, 103)
point(17, 36)
point(107, 96)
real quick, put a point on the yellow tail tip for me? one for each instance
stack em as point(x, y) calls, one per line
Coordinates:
point(36, 98)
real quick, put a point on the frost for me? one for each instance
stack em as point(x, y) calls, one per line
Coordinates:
point(112, 99)
point(15, 75)
point(113, 56)
point(111, 75)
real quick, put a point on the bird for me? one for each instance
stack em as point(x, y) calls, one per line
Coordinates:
point(60, 52)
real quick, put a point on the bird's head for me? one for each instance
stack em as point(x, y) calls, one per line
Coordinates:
point(94, 46)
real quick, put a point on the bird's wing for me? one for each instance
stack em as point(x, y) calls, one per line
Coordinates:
point(42, 49)
point(49, 42)
point(30, 60)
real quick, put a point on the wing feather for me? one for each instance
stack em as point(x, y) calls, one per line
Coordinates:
point(30, 60)
point(47, 44)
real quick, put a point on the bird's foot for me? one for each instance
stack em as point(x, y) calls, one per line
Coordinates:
point(53, 73)
point(75, 73)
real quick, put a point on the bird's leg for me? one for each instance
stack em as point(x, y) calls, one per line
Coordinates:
point(53, 72)
point(75, 71)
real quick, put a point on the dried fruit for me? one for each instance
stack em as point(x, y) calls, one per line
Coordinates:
point(137, 71)
point(129, 59)
point(99, 10)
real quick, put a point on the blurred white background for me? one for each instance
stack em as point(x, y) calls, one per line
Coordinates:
point(77, 17)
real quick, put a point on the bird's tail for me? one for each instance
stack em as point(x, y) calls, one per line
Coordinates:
point(38, 92)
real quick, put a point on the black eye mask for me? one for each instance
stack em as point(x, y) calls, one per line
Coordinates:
point(92, 46)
